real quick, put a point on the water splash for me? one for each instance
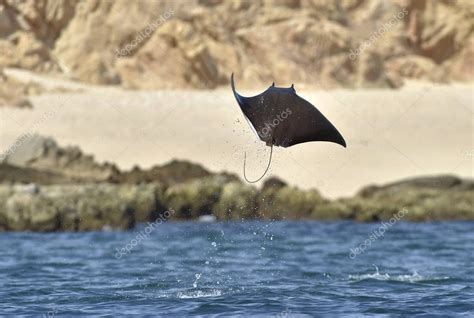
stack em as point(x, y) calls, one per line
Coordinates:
point(199, 294)
point(198, 277)
point(410, 278)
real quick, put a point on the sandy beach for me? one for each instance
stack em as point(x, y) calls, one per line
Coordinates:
point(386, 138)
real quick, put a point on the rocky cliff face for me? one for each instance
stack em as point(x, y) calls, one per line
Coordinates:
point(198, 43)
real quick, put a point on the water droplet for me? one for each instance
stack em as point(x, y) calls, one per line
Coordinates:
point(198, 276)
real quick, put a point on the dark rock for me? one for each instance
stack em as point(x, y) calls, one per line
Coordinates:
point(425, 198)
point(274, 183)
point(174, 172)
point(194, 198)
point(77, 207)
point(435, 182)
point(237, 201)
point(288, 202)
point(14, 174)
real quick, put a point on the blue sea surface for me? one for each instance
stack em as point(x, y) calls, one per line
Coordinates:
point(250, 269)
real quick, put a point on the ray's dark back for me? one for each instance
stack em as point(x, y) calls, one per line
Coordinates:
point(282, 118)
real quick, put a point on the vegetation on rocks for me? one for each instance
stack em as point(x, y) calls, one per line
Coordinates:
point(237, 201)
point(96, 206)
point(49, 188)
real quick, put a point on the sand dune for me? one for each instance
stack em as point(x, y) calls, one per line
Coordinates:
point(418, 130)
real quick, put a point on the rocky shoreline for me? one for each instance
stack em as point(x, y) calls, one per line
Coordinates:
point(97, 206)
point(44, 187)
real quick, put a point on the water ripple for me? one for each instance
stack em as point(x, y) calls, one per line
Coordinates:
point(261, 269)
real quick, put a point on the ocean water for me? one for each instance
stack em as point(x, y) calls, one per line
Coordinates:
point(250, 269)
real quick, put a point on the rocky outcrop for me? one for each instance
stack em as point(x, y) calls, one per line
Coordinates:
point(425, 198)
point(438, 31)
point(13, 174)
point(44, 187)
point(287, 201)
point(13, 93)
point(75, 207)
point(444, 182)
point(195, 198)
point(29, 30)
point(176, 171)
point(43, 153)
point(83, 207)
point(237, 201)
point(197, 44)
point(39, 159)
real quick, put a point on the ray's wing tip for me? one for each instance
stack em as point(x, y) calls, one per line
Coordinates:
point(342, 142)
point(232, 84)
point(338, 139)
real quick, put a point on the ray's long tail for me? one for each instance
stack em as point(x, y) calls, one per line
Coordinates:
point(266, 170)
